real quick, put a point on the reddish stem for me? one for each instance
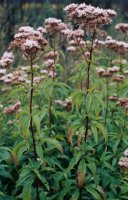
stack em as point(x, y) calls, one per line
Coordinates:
point(31, 122)
point(107, 97)
point(88, 82)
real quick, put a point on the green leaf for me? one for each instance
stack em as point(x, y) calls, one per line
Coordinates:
point(26, 175)
point(5, 153)
point(88, 103)
point(82, 166)
point(102, 129)
point(39, 151)
point(77, 98)
point(41, 178)
point(24, 126)
point(95, 133)
point(74, 161)
point(37, 121)
point(100, 101)
point(2, 194)
point(27, 189)
point(19, 149)
point(5, 172)
point(75, 196)
point(54, 142)
point(93, 192)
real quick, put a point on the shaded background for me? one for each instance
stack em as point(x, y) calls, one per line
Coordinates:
point(14, 13)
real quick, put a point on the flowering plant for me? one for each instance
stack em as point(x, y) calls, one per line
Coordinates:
point(64, 130)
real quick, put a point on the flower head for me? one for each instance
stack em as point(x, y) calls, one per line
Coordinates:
point(123, 162)
point(6, 60)
point(89, 17)
point(53, 25)
point(29, 40)
point(13, 108)
point(123, 27)
point(126, 152)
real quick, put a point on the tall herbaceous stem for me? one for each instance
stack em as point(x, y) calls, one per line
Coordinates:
point(31, 107)
point(89, 62)
point(107, 97)
point(107, 88)
point(31, 121)
point(51, 96)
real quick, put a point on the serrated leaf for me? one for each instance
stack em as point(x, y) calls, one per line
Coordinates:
point(75, 196)
point(53, 142)
point(93, 192)
point(18, 150)
point(74, 161)
point(41, 178)
point(95, 133)
point(82, 166)
point(102, 129)
point(39, 151)
point(88, 103)
point(27, 189)
point(37, 121)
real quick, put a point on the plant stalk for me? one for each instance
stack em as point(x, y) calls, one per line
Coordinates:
point(31, 122)
point(31, 109)
point(107, 98)
point(80, 194)
point(50, 115)
point(88, 81)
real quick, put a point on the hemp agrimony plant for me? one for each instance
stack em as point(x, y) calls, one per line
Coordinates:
point(65, 141)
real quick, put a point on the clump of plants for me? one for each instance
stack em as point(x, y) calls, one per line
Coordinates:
point(64, 110)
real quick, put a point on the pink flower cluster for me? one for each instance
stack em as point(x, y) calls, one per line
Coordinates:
point(123, 27)
point(53, 26)
point(89, 17)
point(73, 34)
point(117, 46)
point(16, 77)
point(118, 78)
point(126, 152)
point(109, 72)
point(6, 60)
point(122, 102)
point(29, 40)
point(49, 63)
point(2, 72)
point(75, 38)
point(67, 103)
point(13, 108)
point(123, 162)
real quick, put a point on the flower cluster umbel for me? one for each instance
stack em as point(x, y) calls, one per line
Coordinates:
point(123, 162)
point(29, 40)
point(89, 17)
point(6, 60)
point(123, 27)
point(13, 108)
point(53, 26)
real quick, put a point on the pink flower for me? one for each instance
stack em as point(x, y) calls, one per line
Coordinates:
point(89, 17)
point(7, 59)
point(126, 152)
point(53, 25)
point(123, 162)
point(13, 108)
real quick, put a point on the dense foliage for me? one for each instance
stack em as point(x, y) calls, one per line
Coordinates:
point(64, 115)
